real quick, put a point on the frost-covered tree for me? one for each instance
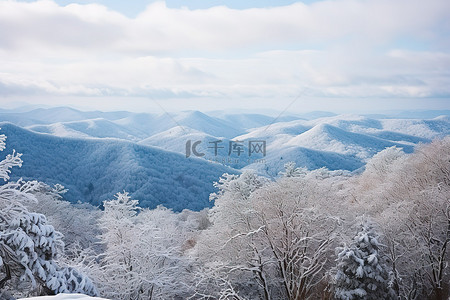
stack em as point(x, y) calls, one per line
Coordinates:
point(238, 186)
point(361, 273)
point(272, 243)
point(232, 207)
point(299, 231)
point(407, 195)
point(382, 162)
point(290, 170)
point(422, 188)
point(77, 222)
point(29, 246)
point(142, 258)
point(32, 249)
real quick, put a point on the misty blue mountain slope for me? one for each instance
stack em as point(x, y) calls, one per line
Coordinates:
point(57, 114)
point(175, 139)
point(90, 128)
point(327, 137)
point(313, 140)
point(207, 124)
point(324, 145)
point(417, 114)
point(149, 124)
point(68, 122)
point(95, 169)
point(309, 158)
point(249, 120)
point(340, 142)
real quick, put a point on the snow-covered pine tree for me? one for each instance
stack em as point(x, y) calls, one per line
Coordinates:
point(28, 245)
point(360, 272)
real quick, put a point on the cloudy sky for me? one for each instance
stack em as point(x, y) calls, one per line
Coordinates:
point(244, 54)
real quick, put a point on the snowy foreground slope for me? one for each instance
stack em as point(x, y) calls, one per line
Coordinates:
point(95, 169)
point(65, 297)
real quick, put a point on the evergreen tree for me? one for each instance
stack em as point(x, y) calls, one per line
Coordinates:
point(29, 246)
point(360, 273)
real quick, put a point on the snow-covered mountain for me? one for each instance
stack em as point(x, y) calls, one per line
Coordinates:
point(182, 139)
point(69, 122)
point(275, 160)
point(90, 128)
point(246, 121)
point(56, 114)
point(340, 142)
point(95, 169)
point(207, 124)
point(149, 124)
point(175, 138)
point(336, 142)
point(326, 137)
point(314, 140)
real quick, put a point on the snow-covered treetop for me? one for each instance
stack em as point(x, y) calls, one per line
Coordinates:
point(290, 170)
point(122, 207)
point(239, 185)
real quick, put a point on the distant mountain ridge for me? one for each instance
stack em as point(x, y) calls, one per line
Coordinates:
point(95, 169)
point(89, 128)
point(314, 140)
point(41, 116)
point(340, 142)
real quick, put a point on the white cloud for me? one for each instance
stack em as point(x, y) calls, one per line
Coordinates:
point(340, 48)
point(161, 29)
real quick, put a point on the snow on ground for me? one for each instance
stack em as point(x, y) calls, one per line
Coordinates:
point(65, 297)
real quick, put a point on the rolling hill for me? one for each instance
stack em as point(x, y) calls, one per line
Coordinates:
point(95, 169)
point(340, 142)
point(326, 137)
point(56, 114)
point(149, 124)
point(314, 140)
point(90, 128)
